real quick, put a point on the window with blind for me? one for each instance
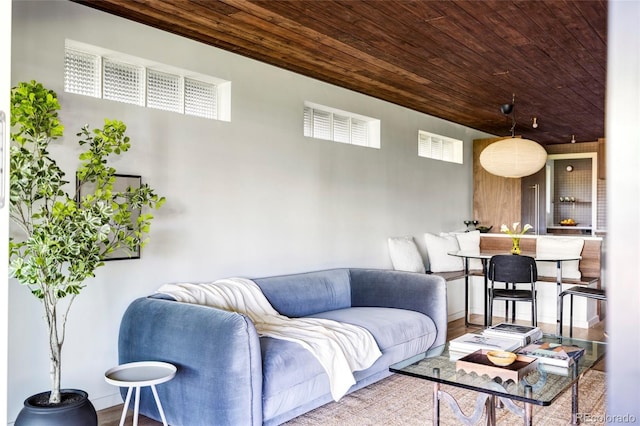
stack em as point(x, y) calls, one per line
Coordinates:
point(327, 123)
point(437, 147)
point(93, 71)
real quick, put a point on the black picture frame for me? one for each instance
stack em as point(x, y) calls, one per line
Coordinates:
point(121, 183)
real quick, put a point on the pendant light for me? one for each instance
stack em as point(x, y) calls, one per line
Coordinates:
point(513, 157)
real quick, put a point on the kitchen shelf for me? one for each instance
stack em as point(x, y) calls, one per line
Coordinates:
point(584, 228)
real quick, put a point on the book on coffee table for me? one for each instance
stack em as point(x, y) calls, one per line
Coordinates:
point(555, 369)
point(523, 333)
point(553, 353)
point(471, 342)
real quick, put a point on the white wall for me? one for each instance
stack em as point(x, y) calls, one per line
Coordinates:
point(623, 190)
point(5, 85)
point(252, 197)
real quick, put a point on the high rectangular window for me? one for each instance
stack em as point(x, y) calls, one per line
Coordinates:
point(328, 123)
point(123, 82)
point(164, 91)
point(437, 147)
point(200, 99)
point(93, 71)
point(82, 73)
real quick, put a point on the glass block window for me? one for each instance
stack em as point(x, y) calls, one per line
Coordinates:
point(164, 91)
point(82, 73)
point(200, 99)
point(327, 123)
point(101, 73)
point(123, 82)
point(437, 147)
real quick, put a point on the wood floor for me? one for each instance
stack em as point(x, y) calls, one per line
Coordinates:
point(111, 416)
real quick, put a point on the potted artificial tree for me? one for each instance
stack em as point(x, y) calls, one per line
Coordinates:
point(64, 237)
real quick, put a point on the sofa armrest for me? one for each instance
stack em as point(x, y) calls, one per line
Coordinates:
point(217, 354)
point(405, 290)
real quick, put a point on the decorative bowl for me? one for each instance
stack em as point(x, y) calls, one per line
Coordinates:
point(484, 229)
point(501, 358)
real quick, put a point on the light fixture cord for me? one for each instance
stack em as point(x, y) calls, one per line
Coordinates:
point(513, 115)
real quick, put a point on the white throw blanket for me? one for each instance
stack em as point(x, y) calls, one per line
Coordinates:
point(340, 348)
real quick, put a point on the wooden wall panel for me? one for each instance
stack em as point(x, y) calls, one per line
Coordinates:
point(496, 200)
point(602, 159)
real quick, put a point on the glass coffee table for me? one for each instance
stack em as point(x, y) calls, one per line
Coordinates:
point(540, 387)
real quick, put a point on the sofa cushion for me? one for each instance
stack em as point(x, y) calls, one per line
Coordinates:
point(292, 376)
point(405, 255)
point(389, 326)
point(305, 294)
point(438, 247)
point(551, 247)
point(470, 241)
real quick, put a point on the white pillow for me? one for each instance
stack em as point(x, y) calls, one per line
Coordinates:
point(549, 247)
point(404, 255)
point(470, 241)
point(437, 249)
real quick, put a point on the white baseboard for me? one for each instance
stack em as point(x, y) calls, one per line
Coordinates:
point(455, 315)
point(107, 401)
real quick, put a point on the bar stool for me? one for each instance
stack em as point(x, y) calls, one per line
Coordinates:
point(588, 292)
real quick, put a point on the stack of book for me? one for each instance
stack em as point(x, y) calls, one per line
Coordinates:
point(471, 342)
point(523, 333)
point(553, 353)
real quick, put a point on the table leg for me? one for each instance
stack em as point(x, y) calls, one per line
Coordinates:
point(528, 414)
point(558, 291)
point(468, 323)
point(136, 407)
point(528, 407)
point(436, 404)
point(486, 293)
point(490, 406)
point(126, 406)
point(155, 395)
point(484, 403)
point(574, 397)
point(466, 291)
point(436, 399)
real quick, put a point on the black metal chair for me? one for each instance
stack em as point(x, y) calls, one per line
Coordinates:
point(512, 270)
point(582, 291)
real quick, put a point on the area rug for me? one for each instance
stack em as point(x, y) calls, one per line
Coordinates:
point(404, 401)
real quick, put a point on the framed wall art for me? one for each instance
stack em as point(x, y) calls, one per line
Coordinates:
point(122, 182)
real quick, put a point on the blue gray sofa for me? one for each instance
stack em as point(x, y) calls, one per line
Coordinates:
point(228, 375)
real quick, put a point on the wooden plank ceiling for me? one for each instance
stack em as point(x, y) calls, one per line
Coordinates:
point(458, 60)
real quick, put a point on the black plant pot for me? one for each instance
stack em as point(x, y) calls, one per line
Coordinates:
point(74, 410)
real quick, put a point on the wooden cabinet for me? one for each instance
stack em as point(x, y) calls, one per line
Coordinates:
point(533, 201)
point(602, 159)
point(496, 200)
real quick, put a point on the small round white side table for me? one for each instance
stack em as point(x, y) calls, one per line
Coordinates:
point(139, 374)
